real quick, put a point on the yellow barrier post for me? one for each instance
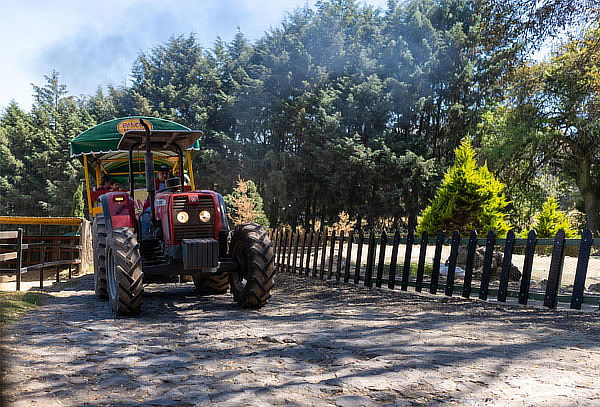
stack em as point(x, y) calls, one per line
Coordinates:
point(98, 176)
point(87, 183)
point(190, 170)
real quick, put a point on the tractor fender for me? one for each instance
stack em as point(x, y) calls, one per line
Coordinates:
point(118, 209)
point(223, 211)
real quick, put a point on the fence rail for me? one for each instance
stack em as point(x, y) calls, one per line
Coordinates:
point(30, 253)
point(293, 251)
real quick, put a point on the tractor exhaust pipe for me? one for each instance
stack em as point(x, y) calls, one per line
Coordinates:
point(149, 167)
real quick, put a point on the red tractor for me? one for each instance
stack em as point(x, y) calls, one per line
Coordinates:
point(178, 231)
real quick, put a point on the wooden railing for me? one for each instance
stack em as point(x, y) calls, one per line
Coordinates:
point(17, 254)
point(30, 253)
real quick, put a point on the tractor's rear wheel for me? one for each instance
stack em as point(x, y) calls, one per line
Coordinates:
point(99, 233)
point(254, 278)
point(124, 272)
point(211, 284)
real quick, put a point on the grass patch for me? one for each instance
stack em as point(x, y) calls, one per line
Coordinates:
point(13, 304)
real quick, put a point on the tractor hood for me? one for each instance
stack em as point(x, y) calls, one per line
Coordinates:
point(105, 137)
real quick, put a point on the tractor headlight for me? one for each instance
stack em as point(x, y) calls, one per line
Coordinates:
point(182, 217)
point(204, 216)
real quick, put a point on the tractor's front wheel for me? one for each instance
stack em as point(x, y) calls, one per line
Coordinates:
point(99, 247)
point(211, 284)
point(124, 272)
point(253, 280)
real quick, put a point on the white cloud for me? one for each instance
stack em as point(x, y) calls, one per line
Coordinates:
point(92, 43)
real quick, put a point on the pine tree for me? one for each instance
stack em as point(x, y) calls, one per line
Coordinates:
point(550, 220)
point(245, 204)
point(78, 205)
point(469, 198)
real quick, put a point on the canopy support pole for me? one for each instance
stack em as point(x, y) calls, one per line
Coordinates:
point(87, 184)
point(190, 171)
point(98, 176)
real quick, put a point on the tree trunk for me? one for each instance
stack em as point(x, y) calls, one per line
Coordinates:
point(591, 209)
point(412, 221)
point(588, 192)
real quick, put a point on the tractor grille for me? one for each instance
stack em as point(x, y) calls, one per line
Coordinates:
point(194, 229)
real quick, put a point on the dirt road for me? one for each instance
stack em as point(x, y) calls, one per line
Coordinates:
point(314, 344)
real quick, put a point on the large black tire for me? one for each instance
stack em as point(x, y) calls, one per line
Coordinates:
point(252, 250)
point(211, 284)
point(124, 272)
point(99, 236)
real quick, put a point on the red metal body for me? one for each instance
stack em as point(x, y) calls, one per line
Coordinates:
point(165, 214)
point(119, 205)
point(120, 208)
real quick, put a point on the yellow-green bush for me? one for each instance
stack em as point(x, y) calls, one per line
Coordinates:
point(469, 198)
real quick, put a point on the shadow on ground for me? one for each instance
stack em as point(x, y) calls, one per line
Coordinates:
point(315, 343)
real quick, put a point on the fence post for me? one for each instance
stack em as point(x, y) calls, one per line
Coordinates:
point(331, 254)
point(435, 272)
point(70, 264)
point(421, 265)
point(58, 260)
point(338, 272)
point(287, 250)
point(277, 245)
point(370, 261)
point(555, 273)
point(280, 244)
point(381, 262)
point(394, 261)
point(19, 260)
point(452, 263)
point(308, 250)
point(290, 250)
point(295, 258)
point(583, 259)
point(304, 238)
point(273, 233)
point(323, 253)
point(361, 237)
point(410, 239)
point(281, 266)
point(42, 260)
point(316, 260)
point(285, 255)
point(527, 267)
point(85, 237)
point(487, 265)
point(348, 257)
point(471, 248)
point(506, 265)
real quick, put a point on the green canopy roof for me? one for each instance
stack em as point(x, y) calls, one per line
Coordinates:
point(104, 137)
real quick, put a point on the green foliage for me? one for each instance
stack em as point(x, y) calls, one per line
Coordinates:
point(328, 111)
point(341, 107)
point(40, 177)
point(550, 220)
point(549, 125)
point(78, 204)
point(469, 198)
point(517, 148)
point(245, 204)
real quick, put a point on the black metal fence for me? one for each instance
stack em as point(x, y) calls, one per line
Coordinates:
point(322, 254)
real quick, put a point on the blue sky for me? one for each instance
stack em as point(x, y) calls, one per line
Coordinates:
point(94, 43)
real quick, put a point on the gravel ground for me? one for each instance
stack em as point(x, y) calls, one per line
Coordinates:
point(315, 343)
